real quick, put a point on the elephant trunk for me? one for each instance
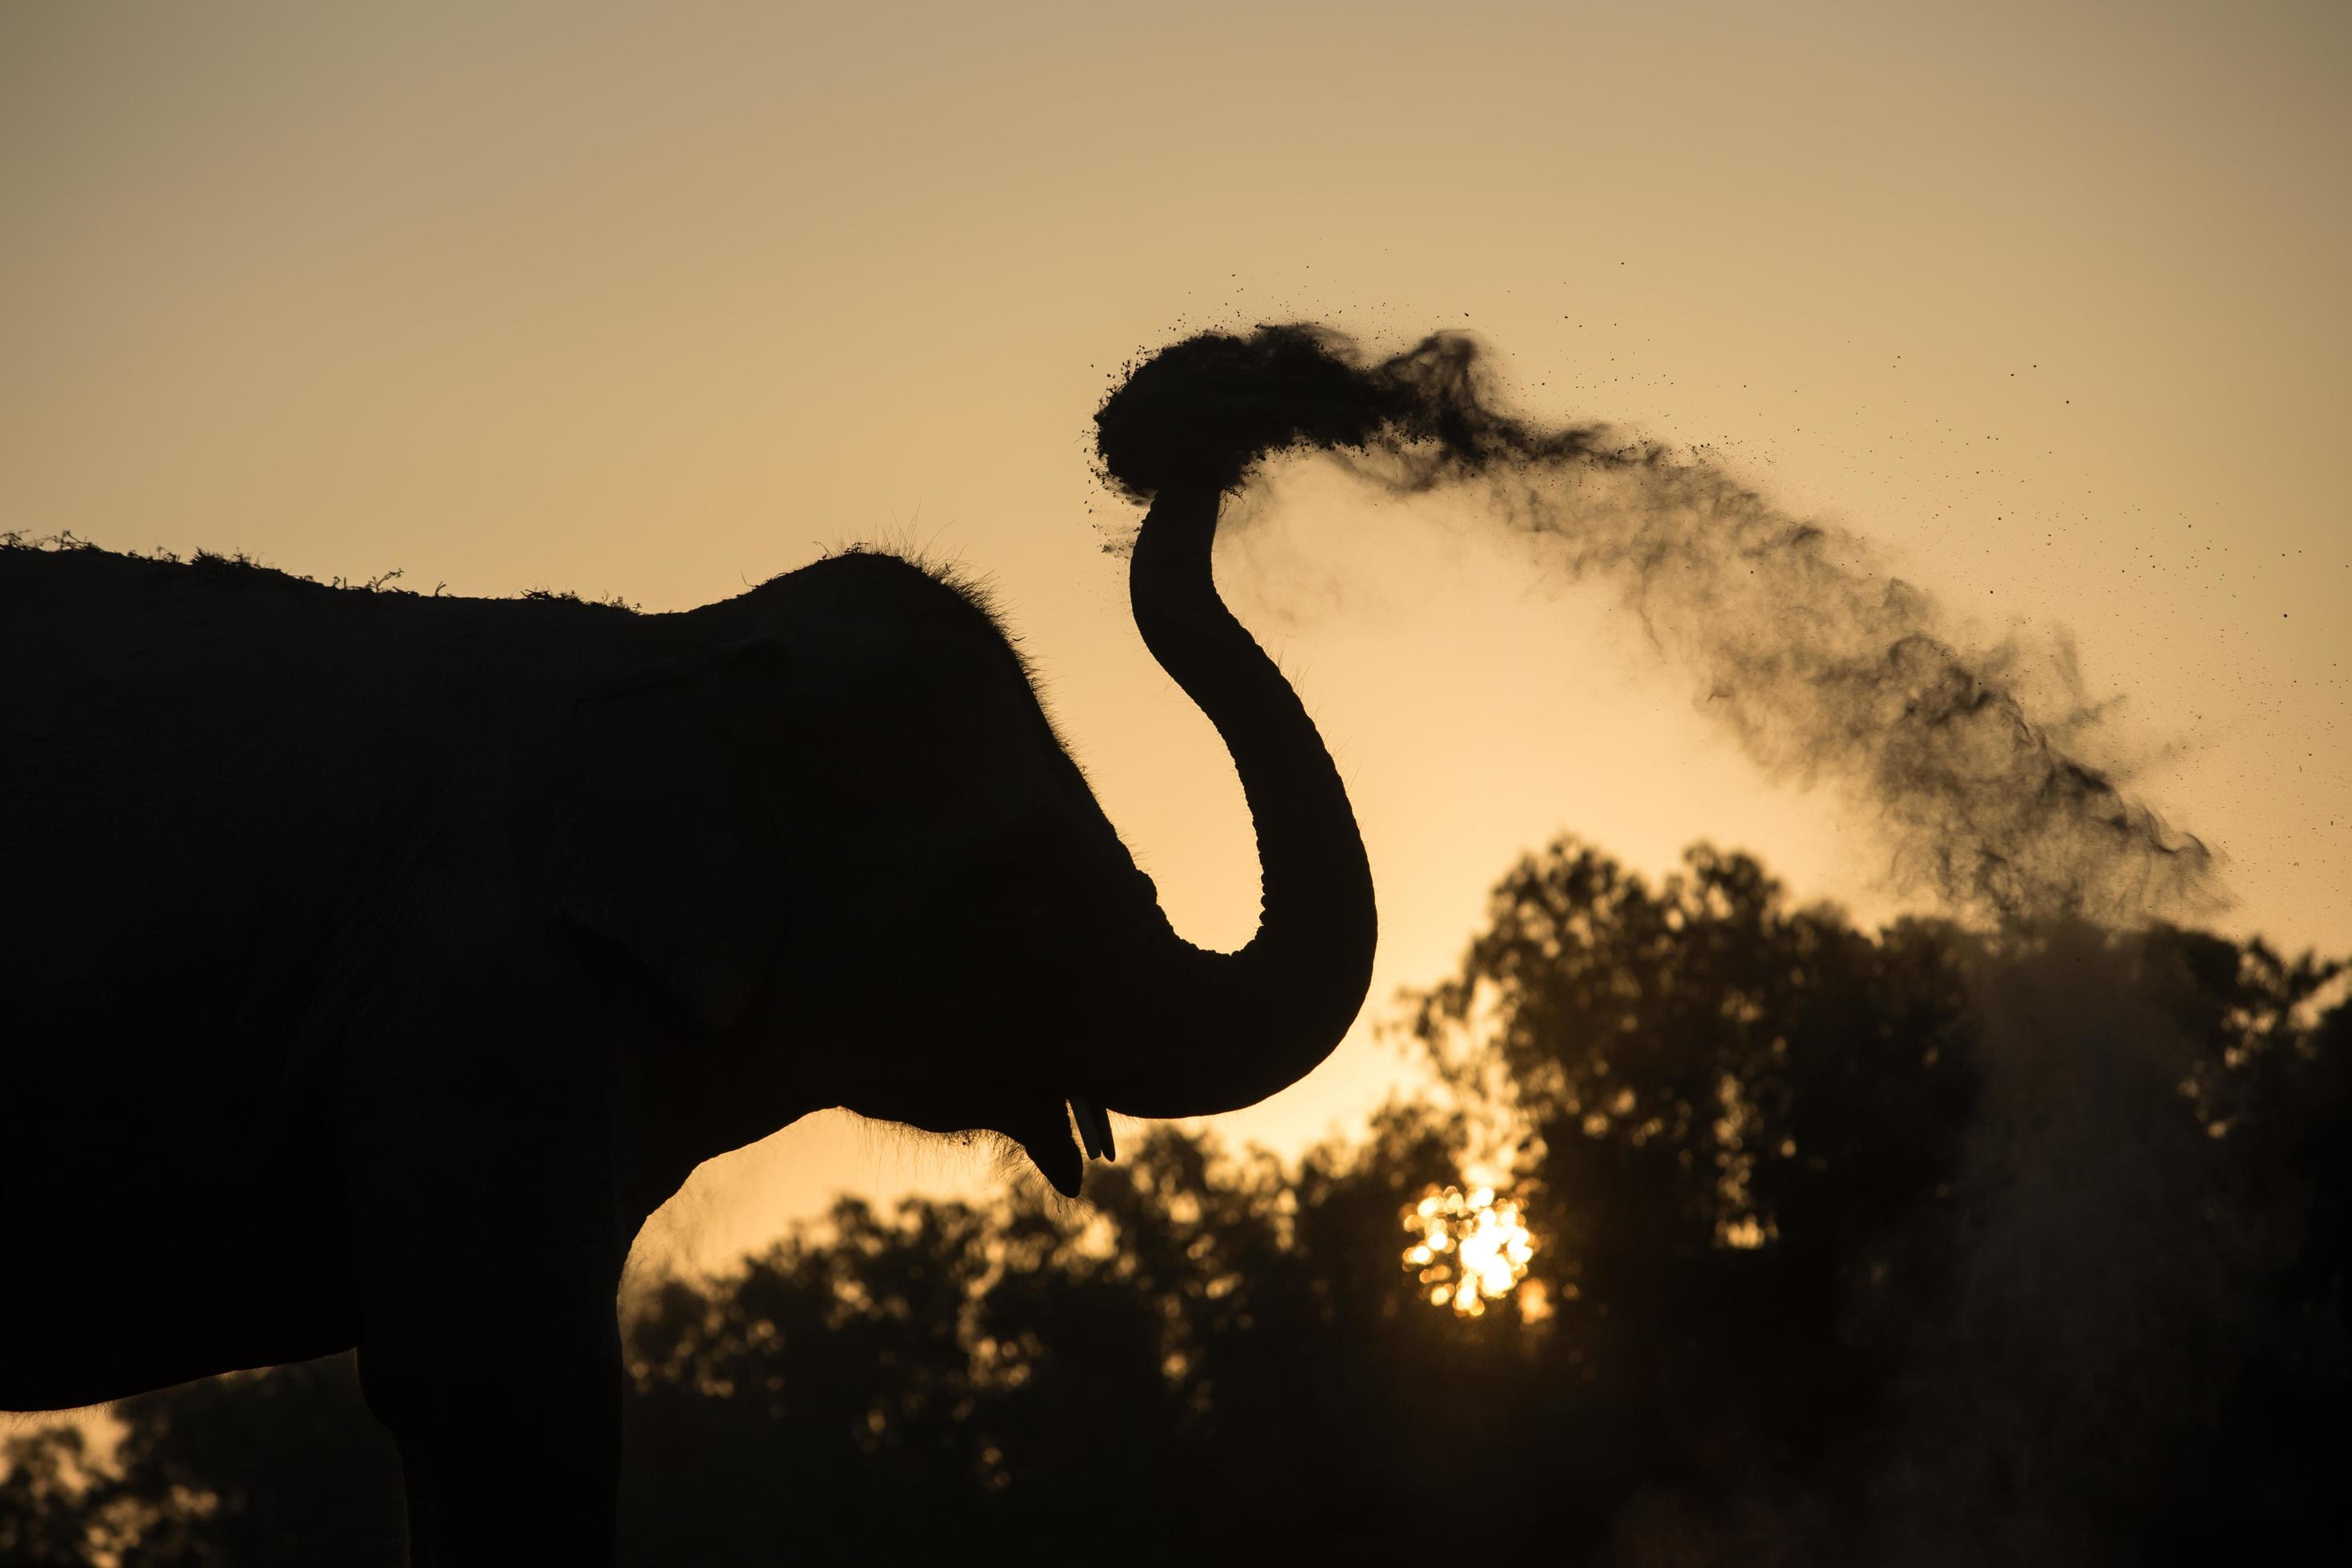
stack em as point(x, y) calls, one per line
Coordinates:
point(1230, 1028)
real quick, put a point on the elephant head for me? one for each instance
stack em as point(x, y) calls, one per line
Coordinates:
point(846, 837)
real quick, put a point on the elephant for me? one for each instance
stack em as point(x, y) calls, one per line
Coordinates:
point(364, 955)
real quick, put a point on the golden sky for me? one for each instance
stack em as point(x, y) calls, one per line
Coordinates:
point(660, 300)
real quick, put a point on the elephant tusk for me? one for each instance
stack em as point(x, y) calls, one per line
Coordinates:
point(1093, 1128)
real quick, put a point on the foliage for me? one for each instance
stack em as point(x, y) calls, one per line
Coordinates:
point(281, 1467)
point(1923, 1247)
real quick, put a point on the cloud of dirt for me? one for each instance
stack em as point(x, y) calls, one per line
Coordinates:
point(1825, 668)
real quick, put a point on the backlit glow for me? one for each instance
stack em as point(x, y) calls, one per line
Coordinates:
point(1468, 1248)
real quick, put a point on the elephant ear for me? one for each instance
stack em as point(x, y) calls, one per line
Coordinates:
point(666, 839)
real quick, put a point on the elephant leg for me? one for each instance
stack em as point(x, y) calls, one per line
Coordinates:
point(507, 1415)
point(487, 1260)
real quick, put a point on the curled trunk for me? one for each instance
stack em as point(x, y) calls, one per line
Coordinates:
point(1231, 1028)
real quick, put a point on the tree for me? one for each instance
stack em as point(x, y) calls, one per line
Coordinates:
point(1924, 1246)
point(1727, 1114)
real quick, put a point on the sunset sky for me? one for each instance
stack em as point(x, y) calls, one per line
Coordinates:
point(661, 301)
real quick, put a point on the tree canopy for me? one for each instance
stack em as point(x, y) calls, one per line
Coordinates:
point(1924, 1246)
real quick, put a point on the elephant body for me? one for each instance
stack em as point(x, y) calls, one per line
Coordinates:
point(365, 956)
point(249, 805)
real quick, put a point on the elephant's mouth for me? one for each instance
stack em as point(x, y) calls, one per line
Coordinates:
point(1060, 1154)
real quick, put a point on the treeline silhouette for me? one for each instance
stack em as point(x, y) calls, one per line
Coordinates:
point(1927, 1247)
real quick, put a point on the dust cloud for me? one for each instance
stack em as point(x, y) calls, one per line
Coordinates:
point(1826, 669)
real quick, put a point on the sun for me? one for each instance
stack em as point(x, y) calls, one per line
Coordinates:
point(1469, 1248)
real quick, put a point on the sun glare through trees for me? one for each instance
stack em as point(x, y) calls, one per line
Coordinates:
point(1469, 1248)
point(1953, 1271)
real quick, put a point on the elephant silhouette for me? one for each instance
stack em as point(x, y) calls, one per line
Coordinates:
point(366, 956)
